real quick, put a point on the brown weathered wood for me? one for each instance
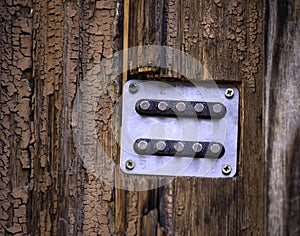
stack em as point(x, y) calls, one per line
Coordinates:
point(282, 117)
point(49, 47)
point(226, 37)
point(125, 38)
point(15, 115)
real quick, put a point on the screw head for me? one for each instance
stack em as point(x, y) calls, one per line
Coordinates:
point(129, 164)
point(229, 93)
point(161, 145)
point(162, 106)
point(180, 106)
point(215, 148)
point(226, 169)
point(133, 88)
point(179, 146)
point(197, 147)
point(217, 108)
point(199, 107)
point(144, 105)
point(142, 145)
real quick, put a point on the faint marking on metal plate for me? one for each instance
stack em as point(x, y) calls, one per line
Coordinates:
point(135, 126)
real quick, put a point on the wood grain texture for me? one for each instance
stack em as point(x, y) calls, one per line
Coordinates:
point(282, 117)
point(226, 37)
point(47, 48)
point(15, 115)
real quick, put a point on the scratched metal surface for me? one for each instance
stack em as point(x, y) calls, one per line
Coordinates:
point(135, 126)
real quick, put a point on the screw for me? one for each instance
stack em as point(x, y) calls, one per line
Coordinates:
point(197, 147)
point(229, 93)
point(129, 164)
point(199, 107)
point(133, 88)
point(162, 106)
point(142, 145)
point(179, 147)
point(180, 106)
point(215, 148)
point(160, 145)
point(217, 108)
point(144, 105)
point(226, 169)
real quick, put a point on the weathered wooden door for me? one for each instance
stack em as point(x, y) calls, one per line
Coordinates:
point(49, 48)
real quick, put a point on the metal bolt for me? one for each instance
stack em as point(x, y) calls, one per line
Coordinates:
point(130, 164)
point(133, 88)
point(162, 106)
point(142, 145)
point(160, 145)
point(217, 108)
point(199, 107)
point(144, 105)
point(215, 148)
point(226, 169)
point(180, 106)
point(179, 146)
point(229, 93)
point(197, 147)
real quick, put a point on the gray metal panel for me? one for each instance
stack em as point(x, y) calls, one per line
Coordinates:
point(135, 126)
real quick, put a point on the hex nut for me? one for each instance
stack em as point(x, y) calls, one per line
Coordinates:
point(179, 146)
point(162, 106)
point(161, 145)
point(197, 147)
point(142, 145)
point(129, 164)
point(215, 148)
point(229, 93)
point(144, 105)
point(199, 107)
point(217, 108)
point(180, 106)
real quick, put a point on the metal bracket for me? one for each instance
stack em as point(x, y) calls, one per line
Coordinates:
point(179, 129)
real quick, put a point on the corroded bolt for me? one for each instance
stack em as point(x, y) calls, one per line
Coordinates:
point(160, 145)
point(229, 93)
point(199, 107)
point(144, 105)
point(179, 146)
point(130, 164)
point(142, 145)
point(197, 147)
point(162, 106)
point(226, 169)
point(133, 88)
point(215, 148)
point(180, 106)
point(217, 108)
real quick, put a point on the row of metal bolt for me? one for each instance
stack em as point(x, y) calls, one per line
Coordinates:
point(179, 146)
point(180, 106)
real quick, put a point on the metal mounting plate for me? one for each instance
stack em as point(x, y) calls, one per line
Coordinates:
point(181, 128)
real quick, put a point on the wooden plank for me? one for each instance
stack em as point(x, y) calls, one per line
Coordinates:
point(125, 38)
point(282, 117)
point(226, 37)
point(47, 49)
point(15, 115)
point(44, 182)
